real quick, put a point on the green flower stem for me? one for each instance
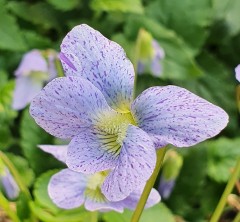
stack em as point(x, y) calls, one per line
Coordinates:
point(150, 183)
point(237, 218)
point(4, 204)
point(94, 216)
point(15, 174)
point(221, 204)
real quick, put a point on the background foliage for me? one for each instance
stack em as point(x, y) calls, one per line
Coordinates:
point(201, 40)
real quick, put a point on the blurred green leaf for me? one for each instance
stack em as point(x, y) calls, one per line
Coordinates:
point(22, 205)
point(179, 62)
point(39, 13)
point(189, 19)
point(64, 5)
point(23, 168)
point(159, 211)
point(10, 34)
point(222, 156)
point(228, 11)
point(133, 6)
point(31, 136)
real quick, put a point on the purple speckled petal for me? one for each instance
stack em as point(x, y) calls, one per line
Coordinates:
point(104, 206)
point(32, 61)
point(91, 152)
point(174, 115)
point(26, 88)
point(135, 165)
point(237, 72)
point(132, 200)
point(9, 184)
point(87, 53)
point(67, 105)
point(59, 152)
point(66, 189)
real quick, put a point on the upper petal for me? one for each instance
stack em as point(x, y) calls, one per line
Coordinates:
point(135, 165)
point(58, 151)
point(67, 105)
point(174, 115)
point(87, 53)
point(66, 189)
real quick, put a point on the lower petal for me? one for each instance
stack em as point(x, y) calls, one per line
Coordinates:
point(66, 189)
point(135, 165)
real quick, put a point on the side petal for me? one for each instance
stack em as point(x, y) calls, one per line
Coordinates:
point(237, 72)
point(87, 53)
point(26, 88)
point(174, 115)
point(92, 151)
point(132, 200)
point(66, 189)
point(59, 152)
point(104, 206)
point(135, 165)
point(67, 105)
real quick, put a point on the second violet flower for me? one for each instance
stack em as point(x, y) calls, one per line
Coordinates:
point(109, 130)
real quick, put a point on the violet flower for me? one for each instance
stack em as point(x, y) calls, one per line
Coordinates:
point(36, 68)
point(8, 183)
point(94, 107)
point(170, 170)
point(77, 188)
point(150, 54)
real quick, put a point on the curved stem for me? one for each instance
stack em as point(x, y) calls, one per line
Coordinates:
point(4, 204)
point(148, 187)
point(221, 204)
point(94, 216)
point(15, 174)
point(237, 218)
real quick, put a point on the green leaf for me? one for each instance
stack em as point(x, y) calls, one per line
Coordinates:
point(179, 62)
point(31, 136)
point(22, 205)
point(39, 13)
point(10, 34)
point(23, 168)
point(228, 12)
point(222, 156)
point(6, 91)
point(189, 19)
point(64, 5)
point(159, 211)
point(133, 6)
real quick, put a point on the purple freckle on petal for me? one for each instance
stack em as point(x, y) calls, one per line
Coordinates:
point(63, 58)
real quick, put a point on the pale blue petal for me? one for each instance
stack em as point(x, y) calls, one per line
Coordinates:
point(91, 151)
point(68, 105)
point(26, 88)
point(237, 72)
point(87, 53)
point(66, 189)
point(58, 151)
point(132, 200)
point(104, 206)
point(135, 165)
point(32, 61)
point(174, 115)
